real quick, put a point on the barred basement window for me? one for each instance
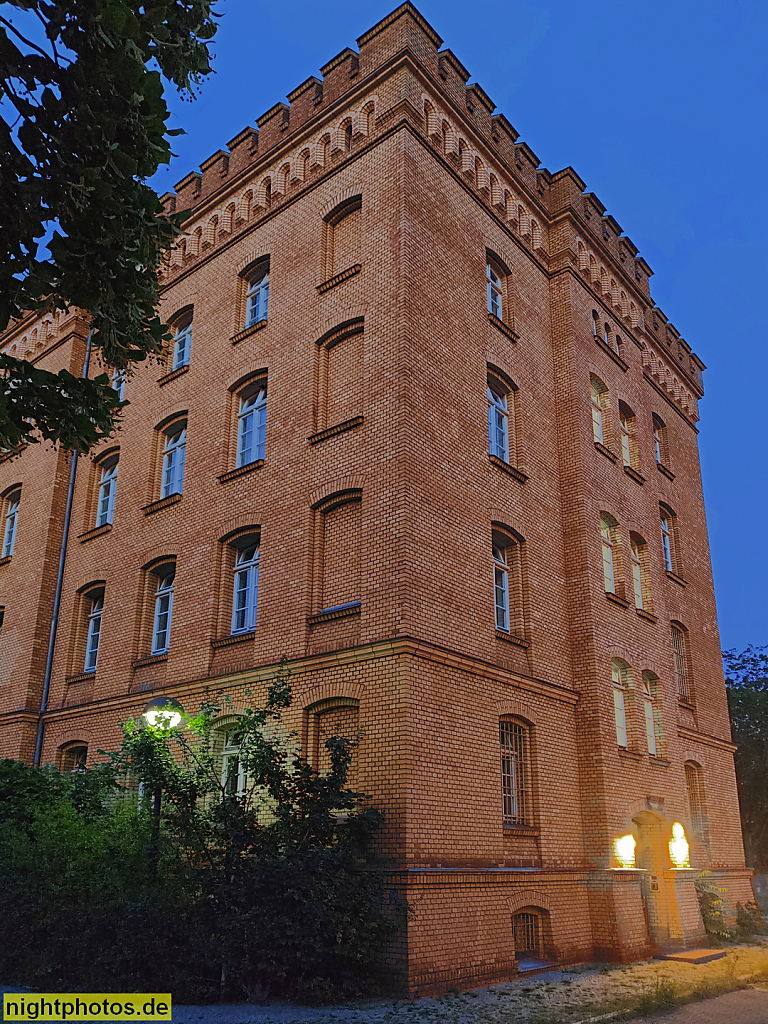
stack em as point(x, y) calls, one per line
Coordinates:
point(527, 934)
point(682, 663)
point(517, 801)
point(73, 757)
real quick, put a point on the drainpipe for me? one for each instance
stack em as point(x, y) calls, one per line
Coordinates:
point(59, 583)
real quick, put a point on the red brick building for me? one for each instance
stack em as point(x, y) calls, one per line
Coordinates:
point(424, 432)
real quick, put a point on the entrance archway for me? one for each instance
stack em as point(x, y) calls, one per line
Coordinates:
point(650, 857)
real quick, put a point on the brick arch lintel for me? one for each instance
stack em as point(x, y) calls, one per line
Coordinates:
point(528, 898)
point(504, 517)
point(496, 358)
point(336, 486)
point(316, 692)
point(155, 556)
point(341, 316)
point(235, 525)
point(699, 756)
point(174, 302)
point(252, 257)
point(516, 708)
point(338, 199)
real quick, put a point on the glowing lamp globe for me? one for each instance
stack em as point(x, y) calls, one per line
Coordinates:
point(163, 712)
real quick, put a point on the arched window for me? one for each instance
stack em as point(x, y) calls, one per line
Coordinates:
point(73, 756)
point(501, 423)
point(342, 230)
point(641, 583)
point(234, 776)
point(507, 583)
point(516, 788)
point(660, 441)
point(11, 509)
point(105, 506)
point(611, 544)
point(694, 784)
point(620, 675)
point(95, 607)
point(668, 538)
point(163, 577)
point(348, 135)
point(628, 435)
point(306, 164)
point(600, 403)
point(245, 583)
point(654, 728)
point(337, 717)
point(495, 288)
point(182, 340)
point(174, 456)
point(118, 383)
point(256, 293)
point(595, 324)
point(252, 423)
point(681, 656)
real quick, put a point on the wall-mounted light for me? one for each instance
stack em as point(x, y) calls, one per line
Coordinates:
point(679, 850)
point(624, 850)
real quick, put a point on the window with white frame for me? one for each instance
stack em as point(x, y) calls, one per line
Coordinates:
point(161, 622)
point(501, 583)
point(600, 403)
point(516, 797)
point(621, 679)
point(507, 582)
point(118, 383)
point(611, 546)
point(668, 524)
point(234, 777)
point(499, 399)
point(245, 588)
point(105, 508)
point(641, 583)
point(182, 341)
point(174, 455)
point(12, 502)
point(252, 424)
point(257, 294)
point(660, 440)
point(654, 731)
point(627, 421)
point(495, 289)
point(95, 600)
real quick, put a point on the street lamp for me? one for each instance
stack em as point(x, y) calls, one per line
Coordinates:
point(162, 713)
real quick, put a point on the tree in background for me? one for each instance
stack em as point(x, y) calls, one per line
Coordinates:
point(747, 684)
point(83, 124)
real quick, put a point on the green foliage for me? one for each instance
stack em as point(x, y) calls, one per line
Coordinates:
point(83, 124)
point(712, 905)
point(268, 893)
point(747, 684)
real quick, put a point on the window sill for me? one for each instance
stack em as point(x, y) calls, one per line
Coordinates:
point(338, 278)
point(97, 531)
point(512, 470)
point(151, 659)
point(676, 579)
point(629, 755)
point(638, 477)
point(234, 638)
point(504, 328)
point(162, 381)
point(6, 560)
point(622, 602)
point(660, 762)
point(513, 830)
point(614, 355)
point(667, 472)
point(518, 641)
point(81, 677)
point(338, 428)
point(248, 331)
point(647, 615)
point(605, 451)
point(241, 470)
point(339, 611)
point(156, 506)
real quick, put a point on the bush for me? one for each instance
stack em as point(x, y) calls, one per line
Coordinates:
point(267, 894)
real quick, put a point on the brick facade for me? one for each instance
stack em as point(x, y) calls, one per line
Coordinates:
point(376, 202)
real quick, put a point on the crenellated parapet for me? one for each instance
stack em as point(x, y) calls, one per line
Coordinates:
point(36, 334)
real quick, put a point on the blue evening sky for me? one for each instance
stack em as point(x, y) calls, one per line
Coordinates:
point(660, 107)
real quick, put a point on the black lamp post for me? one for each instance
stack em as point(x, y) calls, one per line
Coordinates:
point(162, 713)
